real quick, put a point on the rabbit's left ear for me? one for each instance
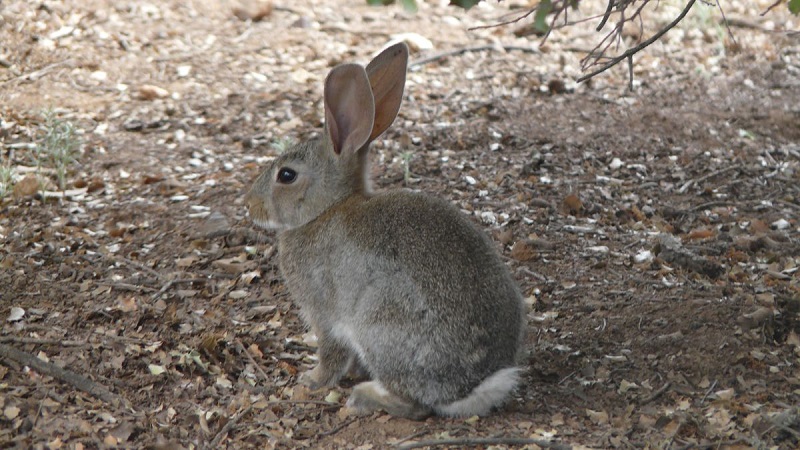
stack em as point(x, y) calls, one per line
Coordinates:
point(387, 78)
point(349, 108)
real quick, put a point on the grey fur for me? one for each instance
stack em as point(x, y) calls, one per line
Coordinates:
point(398, 284)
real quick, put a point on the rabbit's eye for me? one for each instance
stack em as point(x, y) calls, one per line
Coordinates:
point(286, 175)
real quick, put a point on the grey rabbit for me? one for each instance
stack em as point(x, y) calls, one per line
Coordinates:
point(398, 285)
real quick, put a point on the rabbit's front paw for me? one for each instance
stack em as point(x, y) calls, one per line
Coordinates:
point(315, 378)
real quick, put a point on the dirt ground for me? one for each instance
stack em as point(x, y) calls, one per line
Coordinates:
point(655, 233)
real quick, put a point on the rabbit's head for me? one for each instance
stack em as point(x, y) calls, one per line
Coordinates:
point(310, 177)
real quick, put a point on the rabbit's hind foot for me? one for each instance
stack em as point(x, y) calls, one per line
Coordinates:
point(371, 396)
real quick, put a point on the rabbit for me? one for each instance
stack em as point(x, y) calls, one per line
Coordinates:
point(398, 285)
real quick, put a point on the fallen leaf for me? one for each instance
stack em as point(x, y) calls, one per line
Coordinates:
point(155, 369)
point(187, 261)
point(16, 314)
point(255, 10)
point(11, 412)
point(598, 417)
point(700, 234)
point(223, 381)
point(572, 205)
point(26, 187)
point(128, 304)
point(151, 92)
point(521, 251)
point(238, 294)
point(333, 397)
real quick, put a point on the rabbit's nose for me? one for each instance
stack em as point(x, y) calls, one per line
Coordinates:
point(255, 207)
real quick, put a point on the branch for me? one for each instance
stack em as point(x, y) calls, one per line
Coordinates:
point(478, 48)
point(75, 380)
point(631, 51)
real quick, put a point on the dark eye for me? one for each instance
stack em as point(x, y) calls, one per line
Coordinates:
point(286, 175)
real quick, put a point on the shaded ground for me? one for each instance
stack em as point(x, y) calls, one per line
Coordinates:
point(655, 233)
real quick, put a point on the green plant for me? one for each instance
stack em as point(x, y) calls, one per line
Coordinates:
point(407, 166)
point(283, 144)
point(6, 179)
point(58, 144)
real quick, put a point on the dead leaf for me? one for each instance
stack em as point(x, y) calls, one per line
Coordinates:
point(27, 187)
point(127, 304)
point(702, 233)
point(756, 318)
point(521, 251)
point(793, 339)
point(598, 417)
point(255, 10)
point(11, 412)
point(187, 261)
point(151, 92)
point(16, 314)
point(572, 205)
point(505, 236)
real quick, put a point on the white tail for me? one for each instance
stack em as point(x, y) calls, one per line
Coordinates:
point(492, 392)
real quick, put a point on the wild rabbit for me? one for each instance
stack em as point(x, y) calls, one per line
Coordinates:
point(399, 285)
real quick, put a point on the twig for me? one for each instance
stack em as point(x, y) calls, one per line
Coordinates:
point(36, 74)
point(135, 264)
point(127, 286)
point(725, 19)
point(472, 442)
point(656, 394)
point(711, 388)
point(76, 380)
point(630, 52)
point(772, 6)
point(41, 341)
point(478, 48)
point(508, 22)
point(171, 283)
point(337, 428)
point(689, 183)
point(252, 360)
point(228, 427)
point(607, 14)
point(411, 436)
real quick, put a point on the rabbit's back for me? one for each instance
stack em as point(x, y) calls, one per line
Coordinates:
point(412, 287)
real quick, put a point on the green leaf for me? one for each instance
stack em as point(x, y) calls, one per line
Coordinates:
point(410, 5)
point(379, 2)
point(466, 4)
point(540, 18)
point(794, 7)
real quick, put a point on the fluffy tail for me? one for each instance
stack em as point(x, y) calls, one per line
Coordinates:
point(492, 392)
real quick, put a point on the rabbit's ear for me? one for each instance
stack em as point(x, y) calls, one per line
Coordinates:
point(387, 77)
point(349, 108)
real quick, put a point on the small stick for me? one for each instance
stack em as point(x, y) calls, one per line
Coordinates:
point(41, 341)
point(76, 380)
point(338, 428)
point(135, 264)
point(713, 385)
point(251, 359)
point(460, 51)
point(171, 283)
point(630, 52)
point(656, 394)
point(228, 427)
point(607, 14)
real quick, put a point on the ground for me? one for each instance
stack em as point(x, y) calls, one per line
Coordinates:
point(655, 233)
